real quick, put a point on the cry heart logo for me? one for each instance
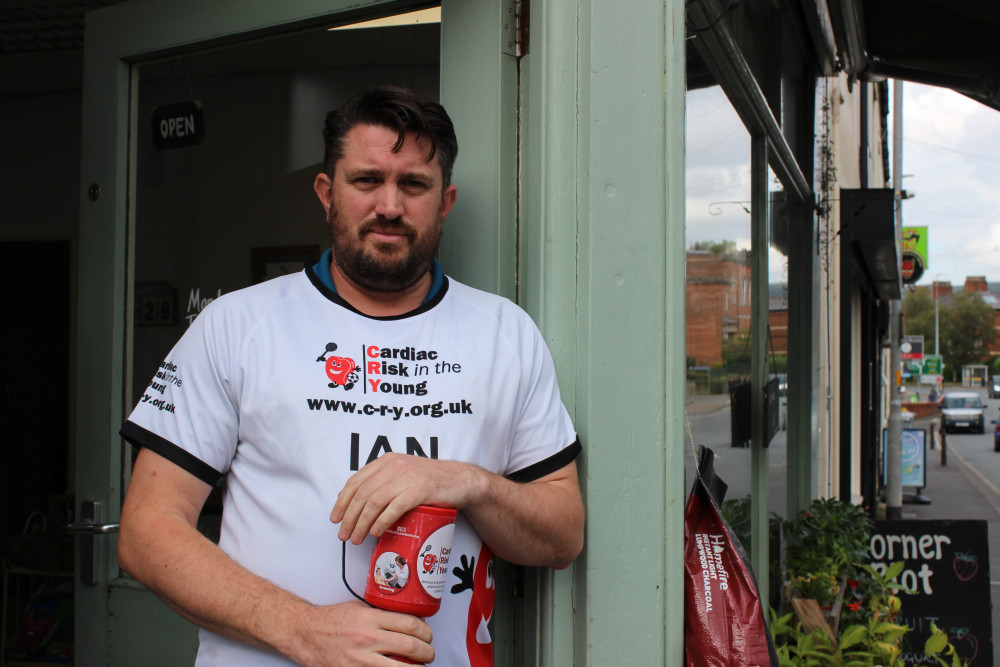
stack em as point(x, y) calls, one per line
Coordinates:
point(718, 549)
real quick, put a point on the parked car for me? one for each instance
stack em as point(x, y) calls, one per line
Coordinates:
point(994, 385)
point(962, 410)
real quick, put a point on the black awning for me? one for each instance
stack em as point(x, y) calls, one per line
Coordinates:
point(947, 43)
point(868, 225)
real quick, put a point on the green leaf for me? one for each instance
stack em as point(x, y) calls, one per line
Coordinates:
point(894, 635)
point(935, 643)
point(852, 636)
point(893, 570)
point(888, 649)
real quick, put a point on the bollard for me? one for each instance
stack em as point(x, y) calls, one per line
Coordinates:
point(944, 447)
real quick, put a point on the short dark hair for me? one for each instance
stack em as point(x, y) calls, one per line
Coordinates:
point(396, 109)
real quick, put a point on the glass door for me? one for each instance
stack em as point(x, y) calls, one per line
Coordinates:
point(167, 226)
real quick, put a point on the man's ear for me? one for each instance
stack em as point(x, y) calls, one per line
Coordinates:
point(448, 199)
point(324, 190)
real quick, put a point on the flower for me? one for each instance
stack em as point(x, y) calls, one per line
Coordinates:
point(853, 584)
point(854, 606)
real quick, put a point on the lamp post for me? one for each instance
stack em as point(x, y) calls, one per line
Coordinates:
point(937, 335)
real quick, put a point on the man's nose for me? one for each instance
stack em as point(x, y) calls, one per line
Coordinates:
point(390, 201)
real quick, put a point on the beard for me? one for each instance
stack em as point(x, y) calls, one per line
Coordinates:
point(383, 267)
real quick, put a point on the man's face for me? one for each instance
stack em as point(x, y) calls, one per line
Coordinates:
point(385, 210)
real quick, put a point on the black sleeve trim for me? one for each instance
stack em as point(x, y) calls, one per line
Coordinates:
point(141, 437)
point(555, 462)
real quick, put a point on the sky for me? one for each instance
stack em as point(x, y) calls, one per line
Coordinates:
point(951, 166)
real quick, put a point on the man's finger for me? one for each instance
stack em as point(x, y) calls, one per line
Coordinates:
point(346, 495)
point(407, 625)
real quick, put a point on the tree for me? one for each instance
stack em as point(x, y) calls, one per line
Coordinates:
point(716, 247)
point(965, 322)
point(736, 353)
point(968, 329)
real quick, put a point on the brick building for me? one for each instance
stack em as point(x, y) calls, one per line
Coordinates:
point(717, 302)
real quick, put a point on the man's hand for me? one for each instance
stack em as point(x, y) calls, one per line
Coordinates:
point(376, 496)
point(535, 523)
point(352, 633)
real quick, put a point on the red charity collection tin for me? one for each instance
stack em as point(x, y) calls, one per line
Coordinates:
point(410, 563)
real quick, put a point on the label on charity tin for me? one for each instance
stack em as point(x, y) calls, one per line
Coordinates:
point(417, 548)
point(433, 557)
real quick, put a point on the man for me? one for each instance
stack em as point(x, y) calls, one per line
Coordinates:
point(425, 391)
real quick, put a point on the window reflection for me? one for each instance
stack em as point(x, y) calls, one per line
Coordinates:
point(719, 283)
point(777, 344)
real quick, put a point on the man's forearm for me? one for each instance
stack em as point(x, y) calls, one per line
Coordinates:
point(203, 584)
point(538, 523)
point(160, 546)
point(534, 523)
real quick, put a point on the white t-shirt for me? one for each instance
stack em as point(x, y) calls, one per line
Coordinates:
point(286, 390)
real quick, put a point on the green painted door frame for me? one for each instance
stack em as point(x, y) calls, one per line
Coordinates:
point(601, 268)
point(759, 297)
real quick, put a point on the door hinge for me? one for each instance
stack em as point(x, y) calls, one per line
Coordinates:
point(516, 28)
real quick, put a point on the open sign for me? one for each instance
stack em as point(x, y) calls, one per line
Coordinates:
point(178, 125)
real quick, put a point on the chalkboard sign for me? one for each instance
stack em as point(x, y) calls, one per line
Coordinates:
point(947, 565)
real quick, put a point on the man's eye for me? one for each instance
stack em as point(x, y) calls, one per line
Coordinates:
point(415, 185)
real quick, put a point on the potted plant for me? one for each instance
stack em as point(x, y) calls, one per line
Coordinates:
point(824, 545)
point(877, 640)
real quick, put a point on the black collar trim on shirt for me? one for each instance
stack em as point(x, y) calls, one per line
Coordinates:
point(337, 299)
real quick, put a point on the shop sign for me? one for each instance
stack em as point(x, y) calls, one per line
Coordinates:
point(914, 254)
point(912, 348)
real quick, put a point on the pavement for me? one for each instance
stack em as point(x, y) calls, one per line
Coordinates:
point(704, 404)
point(956, 488)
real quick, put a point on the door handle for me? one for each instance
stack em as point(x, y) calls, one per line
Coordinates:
point(86, 530)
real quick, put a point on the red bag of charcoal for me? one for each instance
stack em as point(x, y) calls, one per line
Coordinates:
point(725, 624)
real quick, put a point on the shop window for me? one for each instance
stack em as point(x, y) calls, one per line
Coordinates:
point(719, 277)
